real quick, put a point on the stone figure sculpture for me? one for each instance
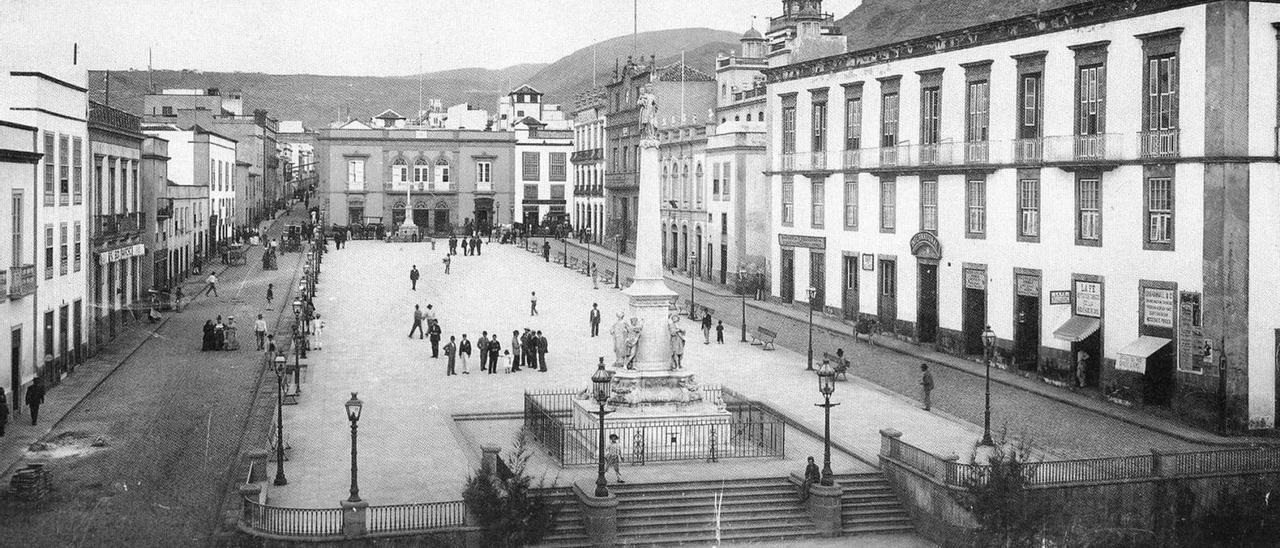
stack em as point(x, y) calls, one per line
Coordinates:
point(633, 341)
point(677, 341)
point(648, 103)
point(619, 333)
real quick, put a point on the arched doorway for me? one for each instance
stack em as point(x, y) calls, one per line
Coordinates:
point(684, 247)
point(397, 214)
point(443, 223)
point(421, 215)
point(484, 214)
point(697, 249)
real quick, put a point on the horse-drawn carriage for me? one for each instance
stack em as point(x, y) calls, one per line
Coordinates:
point(292, 238)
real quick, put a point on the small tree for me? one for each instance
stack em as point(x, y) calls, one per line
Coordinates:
point(506, 502)
point(1008, 514)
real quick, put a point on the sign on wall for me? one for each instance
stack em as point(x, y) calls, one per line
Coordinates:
point(1088, 300)
point(1191, 354)
point(975, 279)
point(796, 240)
point(1126, 362)
point(135, 250)
point(1157, 307)
point(1027, 286)
point(868, 261)
point(1060, 296)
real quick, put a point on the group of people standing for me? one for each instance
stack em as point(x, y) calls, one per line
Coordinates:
point(219, 335)
point(470, 246)
point(527, 352)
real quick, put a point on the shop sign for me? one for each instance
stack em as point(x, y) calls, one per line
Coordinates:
point(1157, 307)
point(925, 245)
point(135, 250)
point(1088, 299)
point(1191, 354)
point(1060, 297)
point(975, 279)
point(1027, 286)
point(1126, 362)
point(796, 240)
point(868, 261)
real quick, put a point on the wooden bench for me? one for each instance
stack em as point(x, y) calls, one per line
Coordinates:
point(559, 257)
point(764, 337)
point(840, 365)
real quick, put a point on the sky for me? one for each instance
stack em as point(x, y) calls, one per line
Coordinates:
point(345, 37)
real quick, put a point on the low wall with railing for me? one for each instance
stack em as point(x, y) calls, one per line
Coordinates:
point(321, 525)
point(1141, 492)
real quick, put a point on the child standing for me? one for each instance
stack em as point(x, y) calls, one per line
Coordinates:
point(506, 361)
point(613, 456)
point(720, 332)
point(271, 293)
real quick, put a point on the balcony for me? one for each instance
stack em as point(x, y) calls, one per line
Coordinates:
point(977, 152)
point(1028, 151)
point(484, 187)
point(116, 225)
point(852, 159)
point(1162, 143)
point(21, 281)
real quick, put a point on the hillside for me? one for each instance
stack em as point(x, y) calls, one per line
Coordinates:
point(318, 100)
point(879, 22)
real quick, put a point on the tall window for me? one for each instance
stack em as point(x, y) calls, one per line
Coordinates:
point(931, 115)
point(48, 168)
point(421, 171)
point(626, 158)
point(889, 120)
point(1090, 93)
point(929, 206)
point(16, 226)
point(75, 231)
point(666, 183)
point(1029, 106)
point(399, 171)
point(715, 181)
point(355, 174)
point(724, 182)
point(1162, 92)
point(77, 172)
point(819, 126)
point(559, 164)
point(851, 202)
point(853, 123)
point(977, 108)
point(888, 278)
point(888, 204)
point(484, 172)
point(1089, 210)
point(64, 242)
point(1160, 210)
point(531, 192)
point(698, 183)
point(1029, 208)
point(788, 201)
point(976, 207)
point(48, 251)
point(64, 170)
point(529, 168)
point(441, 171)
point(789, 130)
point(818, 198)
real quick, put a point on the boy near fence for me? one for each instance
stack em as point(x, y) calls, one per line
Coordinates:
point(612, 457)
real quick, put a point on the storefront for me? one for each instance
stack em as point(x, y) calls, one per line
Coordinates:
point(974, 302)
point(1026, 319)
point(928, 252)
point(1084, 330)
point(1153, 355)
point(816, 246)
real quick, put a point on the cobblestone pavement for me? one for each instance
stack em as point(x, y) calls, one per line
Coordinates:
point(1061, 430)
point(411, 449)
point(171, 417)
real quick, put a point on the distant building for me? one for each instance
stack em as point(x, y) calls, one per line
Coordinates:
point(180, 231)
point(19, 184)
point(526, 102)
point(543, 191)
point(464, 116)
point(803, 32)
point(117, 221)
point(298, 147)
point(201, 158)
point(686, 228)
point(588, 161)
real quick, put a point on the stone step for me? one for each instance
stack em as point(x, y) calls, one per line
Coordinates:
point(697, 485)
point(762, 528)
point(744, 513)
point(624, 496)
point(707, 503)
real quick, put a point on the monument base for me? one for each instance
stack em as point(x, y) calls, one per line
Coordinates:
point(671, 431)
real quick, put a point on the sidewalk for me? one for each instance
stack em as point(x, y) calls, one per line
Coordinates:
point(76, 386)
point(839, 333)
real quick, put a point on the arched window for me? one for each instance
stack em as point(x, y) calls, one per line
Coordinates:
point(441, 174)
point(760, 116)
point(748, 116)
point(420, 170)
point(685, 191)
point(697, 183)
point(399, 171)
point(666, 189)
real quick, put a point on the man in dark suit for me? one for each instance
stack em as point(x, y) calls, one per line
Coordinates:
point(495, 348)
point(413, 277)
point(595, 319)
point(433, 331)
point(542, 353)
point(517, 357)
point(482, 350)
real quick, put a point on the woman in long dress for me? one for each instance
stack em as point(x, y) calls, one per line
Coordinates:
point(206, 342)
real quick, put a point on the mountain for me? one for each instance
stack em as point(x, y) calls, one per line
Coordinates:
point(318, 100)
point(879, 22)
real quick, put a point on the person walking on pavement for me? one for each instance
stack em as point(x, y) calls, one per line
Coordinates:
point(546, 252)
point(529, 345)
point(450, 354)
point(515, 350)
point(542, 353)
point(447, 261)
point(211, 284)
point(315, 342)
point(595, 319)
point(475, 244)
point(260, 331)
point(719, 331)
point(453, 244)
point(433, 333)
point(612, 458)
point(482, 350)
point(271, 293)
point(35, 397)
point(533, 303)
point(926, 385)
point(413, 277)
point(417, 322)
point(464, 352)
point(495, 349)
point(706, 326)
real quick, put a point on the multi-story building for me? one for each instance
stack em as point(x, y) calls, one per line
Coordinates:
point(298, 144)
point(1102, 223)
point(442, 180)
point(543, 154)
point(680, 90)
point(200, 158)
point(19, 164)
point(738, 200)
point(54, 102)
point(687, 241)
point(526, 102)
point(117, 221)
point(589, 164)
point(180, 228)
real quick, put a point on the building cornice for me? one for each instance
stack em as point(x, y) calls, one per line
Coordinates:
point(48, 78)
point(50, 113)
point(8, 155)
point(15, 125)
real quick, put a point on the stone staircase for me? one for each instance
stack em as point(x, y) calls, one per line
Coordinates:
point(870, 506)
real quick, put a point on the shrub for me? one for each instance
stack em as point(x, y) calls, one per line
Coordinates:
point(507, 503)
point(1007, 513)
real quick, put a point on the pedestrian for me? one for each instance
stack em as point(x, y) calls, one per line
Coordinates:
point(177, 297)
point(206, 341)
point(447, 261)
point(706, 326)
point(720, 332)
point(595, 319)
point(529, 345)
point(542, 353)
point(271, 293)
point(475, 244)
point(433, 332)
point(811, 477)
point(453, 244)
point(260, 331)
point(211, 284)
point(417, 322)
point(35, 397)
point(515, 350)
point(317, 333)
point(4, 412)
point(926, 384)
point(464, 352)
point(1082, 364)
point(482, 350)
point(495, 349)
point(533, 303)
point(613, 457)
point(450, 354)
point(506, 361)
point(271, 347)
point(413, 277)
point(219, 335)
point(466, 246)
point(546, 251)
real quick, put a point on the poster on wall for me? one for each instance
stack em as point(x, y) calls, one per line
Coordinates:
point(1190, 333)
point(1126, 362)
point(1088, 299)
point(868, 261)
point(975, 279)
point(1027, 286)
point(1157, 307)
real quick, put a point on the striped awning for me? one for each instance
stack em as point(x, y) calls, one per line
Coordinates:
point(1077, 329)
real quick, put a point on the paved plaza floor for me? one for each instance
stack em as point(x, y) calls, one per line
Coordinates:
point(410, 449)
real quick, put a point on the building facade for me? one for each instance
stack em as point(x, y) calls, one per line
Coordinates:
point(19, 161)
point(203, 159)
point(180, 227)
point(118, 219)
point(1102, 223)
point(688, 244)
point(441, 180)
point(544, 192)
point(589, 160)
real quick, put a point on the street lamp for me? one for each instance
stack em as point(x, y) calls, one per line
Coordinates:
point(279, 362)
point(566, 251)
point(693, 256)
point(988, 345)
point(617, 246)
point(742, 291)
point(601, 381)
point(813, 292)
point(827, 386)
point(353, 406)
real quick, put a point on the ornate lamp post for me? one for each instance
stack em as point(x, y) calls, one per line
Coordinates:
point(279, 362)
point(742, 292)
point(617, 246)
point(600, 381)
point(813, 292)
point(693, 256)
point(826, 386)
point(988, 346)
point(353, 406)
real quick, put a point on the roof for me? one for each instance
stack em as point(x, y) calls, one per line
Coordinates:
point(529, 121)
point(389, 115)
point(752, 34)
point(674, 71)
point(354, 124)
point(525, 89)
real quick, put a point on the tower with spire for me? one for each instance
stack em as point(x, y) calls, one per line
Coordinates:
point(803, 32)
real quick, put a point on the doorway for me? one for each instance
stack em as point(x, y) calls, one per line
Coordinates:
point(975, 315)
point(1092, 346)
point(887, 308)
point(1026, 353)
point(15, 365)
point(927, 303)
point(849, 287)
point(442, 223)
point(1158, 388)
point(63, 334)
point(421, 216)
point(787, 276)
point(818, 279)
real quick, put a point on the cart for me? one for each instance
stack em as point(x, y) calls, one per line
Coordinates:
point(237, 254)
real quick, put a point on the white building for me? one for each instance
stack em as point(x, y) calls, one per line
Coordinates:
point(1069, 178)
point(198, 157)
point(117, 222)
point(464, 116)
point(687, 242)
point(526, 102)
point(19, 162)
point(589, 164)
point(542, 192)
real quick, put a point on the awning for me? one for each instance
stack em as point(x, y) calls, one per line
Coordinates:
point(1133, 357)
point(1077, 329)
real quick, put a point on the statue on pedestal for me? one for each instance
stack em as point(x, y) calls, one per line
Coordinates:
point(677, 341)
point(648, 103)
point(633, 341)
point(619, 333)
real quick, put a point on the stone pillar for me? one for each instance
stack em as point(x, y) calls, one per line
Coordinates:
point(824, 508)
point(887, 446)
point(599, 514)
point(249, 492)
point(489, 458)
point(354, 518)
point(649, 295)
point(258, 459)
